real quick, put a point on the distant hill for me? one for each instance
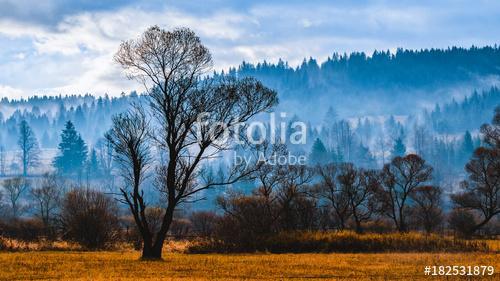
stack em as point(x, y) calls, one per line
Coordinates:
point(355, 85)
point(384, 82)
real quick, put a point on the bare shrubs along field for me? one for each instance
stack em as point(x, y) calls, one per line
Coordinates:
point(346, 242)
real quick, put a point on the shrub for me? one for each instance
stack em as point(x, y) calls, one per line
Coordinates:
point(246, 222)
point(462, 222)
point(22, 229)
point(203, 223)
point(90, 218)
point(326, 242)
point(180, 228)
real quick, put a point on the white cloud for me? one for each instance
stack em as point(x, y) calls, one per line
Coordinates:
point(77, 54)
point(9, 92)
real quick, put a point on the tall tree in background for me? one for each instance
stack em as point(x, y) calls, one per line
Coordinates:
point(171, 65)
point(467, 147)
point(28, 144)
point(3, 163)
point(104, 151)
point(399, 148)
point(93, 167)
point(319, 154)
point(72, 152)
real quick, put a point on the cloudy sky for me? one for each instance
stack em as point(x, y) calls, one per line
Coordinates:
point(66, 47)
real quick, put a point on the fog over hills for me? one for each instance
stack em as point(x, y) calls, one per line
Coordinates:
point(400, 83)
point(358, 105)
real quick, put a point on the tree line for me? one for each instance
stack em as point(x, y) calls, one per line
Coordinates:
point(74, 159)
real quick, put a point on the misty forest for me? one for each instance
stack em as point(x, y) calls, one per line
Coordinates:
point(404, 140)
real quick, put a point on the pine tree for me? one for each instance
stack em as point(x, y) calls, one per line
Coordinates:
point(93, 169)
point(330, 116)
point(319, 154)
point(399, 148)
point(363, 156)
point(72, 152)
point(467, 146)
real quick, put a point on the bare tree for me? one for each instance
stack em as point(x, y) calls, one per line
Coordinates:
point(30, 152)
point(491, 133)
point(358, 186)
point(290, 192)
point(269, 178)
point(382, 144)
point(420, 140)
point(105, 156)
point(15, 188)
point(90, 218)
point(278, 202)
point(246, 219)
point(482, 189)
point(47, 198)
point(399, 180)
point(427, 209)
point(330, 190)
point(171, 66)
point(129, 139)
point(344, 138)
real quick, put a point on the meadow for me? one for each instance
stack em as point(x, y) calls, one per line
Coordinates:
point(60, 260)
point(125, 265)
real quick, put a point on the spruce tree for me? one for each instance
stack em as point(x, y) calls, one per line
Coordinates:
point(467, 146)
point(72, 152)
point(399, 148)
point(93, 168)
point(319, 154)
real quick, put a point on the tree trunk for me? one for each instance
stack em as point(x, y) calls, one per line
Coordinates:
point(153, 250)
point(359, 228)
point(341, 223)
point(148, 249)
point(150, 252)
point(402, 223)
point(357, 220)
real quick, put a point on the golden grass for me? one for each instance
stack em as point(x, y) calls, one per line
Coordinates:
point(493, 245)
point(177, 266)
point(9, 244)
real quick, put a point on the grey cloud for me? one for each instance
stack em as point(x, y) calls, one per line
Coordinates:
point(50, 12)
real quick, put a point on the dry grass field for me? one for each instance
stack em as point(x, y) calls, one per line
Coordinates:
point(125, 265)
